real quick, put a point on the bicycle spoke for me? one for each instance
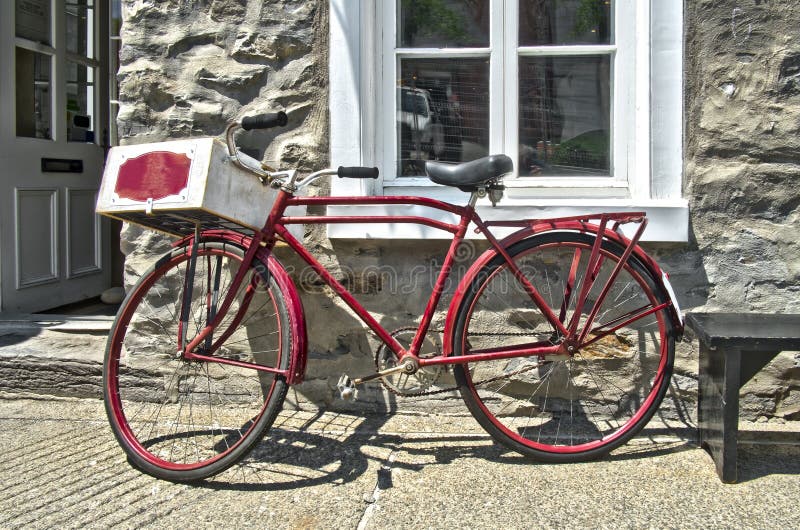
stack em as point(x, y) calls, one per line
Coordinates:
point(579, 405)
point(192, 418)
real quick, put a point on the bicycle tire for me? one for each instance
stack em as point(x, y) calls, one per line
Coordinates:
point(184, 420)
point(581, 407)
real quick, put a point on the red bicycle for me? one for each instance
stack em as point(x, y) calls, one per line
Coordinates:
point(559, 338)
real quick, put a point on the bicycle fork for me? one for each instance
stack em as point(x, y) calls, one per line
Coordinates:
point(188, 287)
point(216, 309)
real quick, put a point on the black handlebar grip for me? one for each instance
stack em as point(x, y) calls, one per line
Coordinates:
point(265, 121)
point(358, 172)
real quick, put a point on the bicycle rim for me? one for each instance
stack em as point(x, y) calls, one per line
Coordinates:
point(565, 408)
point(186, 420)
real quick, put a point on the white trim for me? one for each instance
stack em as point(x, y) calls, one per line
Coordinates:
point(432, 53)
point(386, 139)
point(510, 130)
point(550, 51)
point(347, 111)
point(668, 220)
point(361, 30)
point(497, 66)
point(34, 46)
point(640, 187)
point(666, 104)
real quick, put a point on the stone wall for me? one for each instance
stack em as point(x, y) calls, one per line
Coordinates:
point(742, 165)
point(189, 66)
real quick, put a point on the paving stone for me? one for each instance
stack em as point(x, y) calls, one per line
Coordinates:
point(62, 468)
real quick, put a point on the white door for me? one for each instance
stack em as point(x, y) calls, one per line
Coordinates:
point(53, 101)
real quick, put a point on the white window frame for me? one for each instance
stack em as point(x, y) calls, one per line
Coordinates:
point(647, 175)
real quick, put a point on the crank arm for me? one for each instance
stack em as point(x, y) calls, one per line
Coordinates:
point(407, 367)
point(347, 387)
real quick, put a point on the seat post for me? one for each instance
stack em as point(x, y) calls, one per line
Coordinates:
point(474, 196)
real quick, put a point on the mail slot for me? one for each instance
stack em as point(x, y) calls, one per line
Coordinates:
point(61, 165)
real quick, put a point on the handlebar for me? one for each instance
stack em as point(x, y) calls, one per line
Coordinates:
point(357, 172)
point(285, 179)
point(264, 121)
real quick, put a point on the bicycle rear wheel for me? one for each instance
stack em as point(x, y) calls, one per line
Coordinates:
point(573, 408)
point(187, 420)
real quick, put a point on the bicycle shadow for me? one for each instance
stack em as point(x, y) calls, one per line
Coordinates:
point(339, 449)
point(325, 453)
point(327, 447)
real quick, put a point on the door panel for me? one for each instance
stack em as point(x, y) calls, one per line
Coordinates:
point(83, 233)
point(36, 232)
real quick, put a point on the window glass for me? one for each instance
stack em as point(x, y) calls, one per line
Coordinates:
point(80, 103)
point(80, 25)
point(563, 22)
point(33, 94)
point(116, 18)
point(442, 112)
point(32, 20)
point(564, 116)
point(443, 23)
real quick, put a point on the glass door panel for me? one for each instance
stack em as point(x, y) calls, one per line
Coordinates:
point(79, 21)
point(33, 20)
point(34, 94)
point(80, 103)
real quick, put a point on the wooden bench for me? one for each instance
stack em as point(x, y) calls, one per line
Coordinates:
point(733, 348)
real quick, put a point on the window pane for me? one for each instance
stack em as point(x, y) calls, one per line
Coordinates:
point(559, 22)
point(80, 103)
point(116, 18)
point(32, 20)
point(442, 112)
point(443, 23)
point(80, 27)
point(564, 116)
point(33, 94)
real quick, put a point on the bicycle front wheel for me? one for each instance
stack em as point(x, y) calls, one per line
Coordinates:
point(186, 420)
point(564, 409)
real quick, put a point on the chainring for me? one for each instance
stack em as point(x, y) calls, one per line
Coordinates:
point(418, 383)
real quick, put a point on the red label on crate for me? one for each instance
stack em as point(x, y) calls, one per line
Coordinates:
point(153, 176)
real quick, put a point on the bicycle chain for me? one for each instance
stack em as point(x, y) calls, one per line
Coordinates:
point(450, 389)
point(490, 380)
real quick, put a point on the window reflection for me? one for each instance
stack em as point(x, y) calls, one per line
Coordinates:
point(564, 107)
point(80, 24)
point(442, 112)
point(561, 22)
point(443, 23)
point(32, 20)
point(80, 103)
point(33, 94)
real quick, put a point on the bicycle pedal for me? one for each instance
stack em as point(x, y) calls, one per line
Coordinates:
point(347, 389)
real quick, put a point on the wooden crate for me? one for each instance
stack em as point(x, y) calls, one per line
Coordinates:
point(173, 186)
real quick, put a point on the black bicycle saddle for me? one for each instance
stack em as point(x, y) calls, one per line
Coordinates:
point(469, 176)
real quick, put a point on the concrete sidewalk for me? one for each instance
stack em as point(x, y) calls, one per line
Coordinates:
point(62, 468)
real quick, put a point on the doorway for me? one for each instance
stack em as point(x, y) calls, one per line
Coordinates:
point(54, 130)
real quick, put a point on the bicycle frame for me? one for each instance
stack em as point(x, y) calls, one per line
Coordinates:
point(572, 337)
point(182, 412)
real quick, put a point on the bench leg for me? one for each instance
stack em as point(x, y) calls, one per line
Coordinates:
point(718, 408)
